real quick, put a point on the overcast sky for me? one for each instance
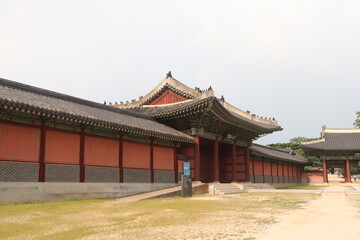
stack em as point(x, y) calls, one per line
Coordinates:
point(297, 61)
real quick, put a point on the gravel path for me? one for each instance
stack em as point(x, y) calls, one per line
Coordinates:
point(332, 216)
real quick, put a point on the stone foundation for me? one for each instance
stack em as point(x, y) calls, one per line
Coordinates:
point(31, 192)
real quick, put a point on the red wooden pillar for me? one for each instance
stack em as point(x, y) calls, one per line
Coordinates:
point(176, 166)
point(121, 166)
point(288, 173)
point(197, 158)
point(271, 171)
point(247, 164)
point(82, 155)
point(152, 161)
point(347, 170)
point(283, 173)
point(263, 170)
point(253, 169)
point(216, 159)
point(42, 153)
point(234, 162)
point(325, 171)
point(277, 171)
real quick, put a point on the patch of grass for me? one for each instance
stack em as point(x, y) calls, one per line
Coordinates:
point(304, 187)
point(208, 217)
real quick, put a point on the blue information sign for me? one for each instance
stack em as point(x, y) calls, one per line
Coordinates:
point(186, 168)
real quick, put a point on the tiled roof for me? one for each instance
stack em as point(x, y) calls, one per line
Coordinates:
point(346, 141)
point(283, 155)
point(175, 86)
point(207, 104)
point(193, 94)
point(29, 98)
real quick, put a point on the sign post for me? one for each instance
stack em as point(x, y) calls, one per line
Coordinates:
point(186, 181)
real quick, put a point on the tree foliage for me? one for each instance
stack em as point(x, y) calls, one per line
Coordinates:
point(294, 144)
point(357, 120)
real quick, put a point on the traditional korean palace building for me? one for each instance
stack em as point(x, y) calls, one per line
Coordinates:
point(47, 136)
point(335, 147)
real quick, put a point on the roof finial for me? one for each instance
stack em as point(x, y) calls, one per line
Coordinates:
point(168, 75)
point(323, 129)
point(222, 98)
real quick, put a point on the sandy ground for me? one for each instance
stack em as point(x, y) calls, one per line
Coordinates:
point(332, 216)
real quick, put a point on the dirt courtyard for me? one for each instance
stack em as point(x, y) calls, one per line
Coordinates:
point(246, 216)
point(235, 216)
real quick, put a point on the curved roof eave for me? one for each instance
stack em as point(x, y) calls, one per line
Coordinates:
point(277, 154)
point(56, 105)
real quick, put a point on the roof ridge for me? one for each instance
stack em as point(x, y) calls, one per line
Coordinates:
point(166, 104)
point(277, 149)
point(277, 153)
point(342, 130)
point(313, 141)
point(62, 96)
point(172, 84)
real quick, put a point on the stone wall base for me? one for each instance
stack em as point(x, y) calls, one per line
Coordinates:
point(15, 192)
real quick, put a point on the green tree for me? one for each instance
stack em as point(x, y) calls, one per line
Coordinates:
point(357, 120)
point(294, 144)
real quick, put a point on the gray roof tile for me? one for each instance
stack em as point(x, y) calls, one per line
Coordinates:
point(56, 103)
point(346, 141)
point(283, 155)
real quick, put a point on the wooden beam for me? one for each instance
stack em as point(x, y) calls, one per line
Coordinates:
point(263, 170)
point(121, 165)
point(277, 171)
point(216, 159)
point(42, 153)
point(347, 170)
point(176, 166)
point(234, 162)
point(253, 168)
point(82, 155)
point(152, 161)
point(325, 171)
point(197, 158)
point(271, 171)
point(247, 164)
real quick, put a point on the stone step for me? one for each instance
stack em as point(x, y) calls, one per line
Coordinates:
point(230, 188)
point(231, 192)
point(256, 186)
point(227, 188)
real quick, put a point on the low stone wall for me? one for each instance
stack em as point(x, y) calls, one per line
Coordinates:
point(164, 176)
point(274, 179)
point(15, 192)
point(137, 175)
